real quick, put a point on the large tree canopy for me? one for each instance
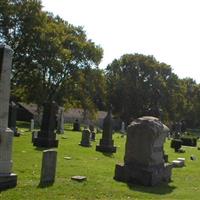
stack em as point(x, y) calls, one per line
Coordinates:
point(47, 50)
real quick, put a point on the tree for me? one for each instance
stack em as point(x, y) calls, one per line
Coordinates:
point(132, 82)
point(47, 51)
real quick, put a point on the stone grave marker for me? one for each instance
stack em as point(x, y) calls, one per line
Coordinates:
point(122, 128)
point(144, 155)
point(92, 131)
point(106, 143)
point(47, 136)
point(60, 125)
point(76, 125)
point(32, 125)
point(12, 118)
point(85, 139)
point(7, 178)
point(48, 170)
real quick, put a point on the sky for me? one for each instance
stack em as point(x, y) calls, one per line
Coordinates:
point(167, 29)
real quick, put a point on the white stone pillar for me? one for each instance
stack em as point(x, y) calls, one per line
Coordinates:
point(32, 125)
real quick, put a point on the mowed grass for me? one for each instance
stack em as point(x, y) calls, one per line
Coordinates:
point(99, 170)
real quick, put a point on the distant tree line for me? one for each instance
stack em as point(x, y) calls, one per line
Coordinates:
point(54, 60)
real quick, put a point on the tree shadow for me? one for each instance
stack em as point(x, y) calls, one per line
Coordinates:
point(45, 185)
point(110, 155)
point(163, 188)
point(41, 148)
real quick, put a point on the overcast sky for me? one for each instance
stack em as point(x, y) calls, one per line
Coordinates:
point(167, 29)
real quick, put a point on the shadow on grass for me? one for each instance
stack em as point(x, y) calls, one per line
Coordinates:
point(40, 148)
point(45, 185)
point(108, 155)
point(163, 188)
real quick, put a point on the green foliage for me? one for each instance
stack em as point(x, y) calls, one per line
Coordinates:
point(132, 82)
point(47, 51)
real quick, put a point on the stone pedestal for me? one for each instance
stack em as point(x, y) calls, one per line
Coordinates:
point(85, 139)
point(144, 155)
point(47, 136)
point(106, 143)
point(7, 178)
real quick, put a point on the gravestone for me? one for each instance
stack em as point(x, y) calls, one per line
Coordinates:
point(48, 170)
point(32, 125)
point(93, 136)
point(85, 139)
point(7, 178)
point(60, 122)
point(122, 128)
point(144, 155)
point(12, 118)
point(106, 143)
point(76, 125)
point(92, 132)
point(47, 136)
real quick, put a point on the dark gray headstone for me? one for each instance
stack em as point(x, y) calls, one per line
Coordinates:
point(76, 125)
point(48, 170)
point(85, 139)
point(46, 135)
point(106, 143)
point(144, 155)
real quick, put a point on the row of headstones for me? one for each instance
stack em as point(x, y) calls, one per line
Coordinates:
point(144, 154)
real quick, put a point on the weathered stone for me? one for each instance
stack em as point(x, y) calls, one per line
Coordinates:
point(106, 143)
point(182, 159)
point(32, 125)
point(48, 170)
point(7, 178)
point(60, 125)
point(144, 156)
point(79, 178)
point(76, 125)
point(12, 118)
point(93, 136)
point(122, 128)
point(85, 139)
point(46, 135)
point(178, 163)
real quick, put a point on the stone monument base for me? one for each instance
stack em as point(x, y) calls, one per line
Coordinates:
point(44, 142)
point(85, 145)
point(106, 146)
point(106, 149)
point(8, 181)
point(147, 176)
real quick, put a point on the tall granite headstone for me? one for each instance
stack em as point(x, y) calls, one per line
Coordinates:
point(106, 143)
point(47, 136)
point(7, 178)
point(144, 154)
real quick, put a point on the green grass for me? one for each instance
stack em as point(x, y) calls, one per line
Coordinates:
point(98, 168)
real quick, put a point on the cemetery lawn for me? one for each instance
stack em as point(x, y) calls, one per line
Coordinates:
point(99, 170)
